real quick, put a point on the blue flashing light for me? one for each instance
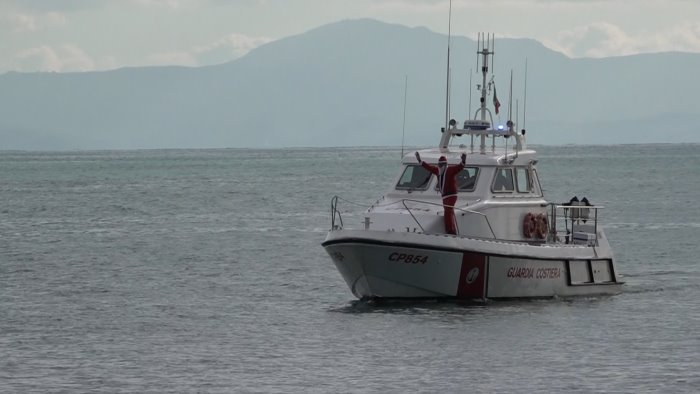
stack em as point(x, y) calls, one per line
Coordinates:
point(500, 127)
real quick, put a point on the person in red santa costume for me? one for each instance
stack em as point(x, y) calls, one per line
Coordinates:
point(447, 183)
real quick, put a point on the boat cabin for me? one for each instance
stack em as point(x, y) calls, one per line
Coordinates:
point(496, 189)
point(478, 178)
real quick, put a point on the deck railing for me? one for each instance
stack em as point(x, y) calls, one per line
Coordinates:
point(468, 211)
point(337, 219)
point(580, 223)
point(336, 213)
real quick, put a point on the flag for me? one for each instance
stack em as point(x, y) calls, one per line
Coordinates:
point(496, 103)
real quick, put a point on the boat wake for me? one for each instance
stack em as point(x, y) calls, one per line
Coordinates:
point(429, 306)
point(651, 226)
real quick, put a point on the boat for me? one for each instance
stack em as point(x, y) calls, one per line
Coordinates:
point(510, 241)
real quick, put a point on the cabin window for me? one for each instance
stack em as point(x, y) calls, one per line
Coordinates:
point(414, 177)
point(503, 181)
point(535, 178)
point(466, 179)
point(522, 178)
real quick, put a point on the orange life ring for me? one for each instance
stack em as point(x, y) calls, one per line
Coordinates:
point(528, 225)
point(541, 226)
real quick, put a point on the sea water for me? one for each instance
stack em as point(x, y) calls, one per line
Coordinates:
point(202, 271)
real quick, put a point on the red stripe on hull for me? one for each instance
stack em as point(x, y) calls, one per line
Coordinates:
point(472, 277)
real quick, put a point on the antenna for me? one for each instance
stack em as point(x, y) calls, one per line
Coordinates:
point(447, 90)
point(405, 94)
point(510, 97)
point(478, 49)
point(449, 93)
point(493, 49)
point(525, 98)
point(470, 93)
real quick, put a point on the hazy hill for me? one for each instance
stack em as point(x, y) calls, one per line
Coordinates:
point(343, 84)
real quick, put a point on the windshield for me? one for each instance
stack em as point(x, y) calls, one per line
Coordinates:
point(466, 179)
point(414, 177)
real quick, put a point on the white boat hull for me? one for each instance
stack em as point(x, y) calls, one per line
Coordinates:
point(379, 264)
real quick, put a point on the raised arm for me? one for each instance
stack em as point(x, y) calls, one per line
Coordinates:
point(431, 168)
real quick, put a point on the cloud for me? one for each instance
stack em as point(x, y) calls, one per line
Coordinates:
point(45, 58)
point(414, 5)
point(32, 6)
point(682, 37)
point(62, 58)
point(71, 58)
point(21, 23)
point(228, 48)
point(222, 50)
point(39, 6)
point(442, 5)
point(483, 7)
point(603, 39)
point(173, 4)
point(171, 59)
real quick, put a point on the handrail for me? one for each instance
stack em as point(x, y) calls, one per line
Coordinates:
point(334, 211)
point(412, 215)
point(577, 206)
point(403, 201)
point(581, 214)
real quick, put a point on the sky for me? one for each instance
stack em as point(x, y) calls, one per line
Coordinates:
point(89, 35)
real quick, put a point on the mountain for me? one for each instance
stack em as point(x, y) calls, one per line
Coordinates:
point(342, 85)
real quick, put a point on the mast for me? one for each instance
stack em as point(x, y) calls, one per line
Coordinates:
point(484, 42)
point(479, 125)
